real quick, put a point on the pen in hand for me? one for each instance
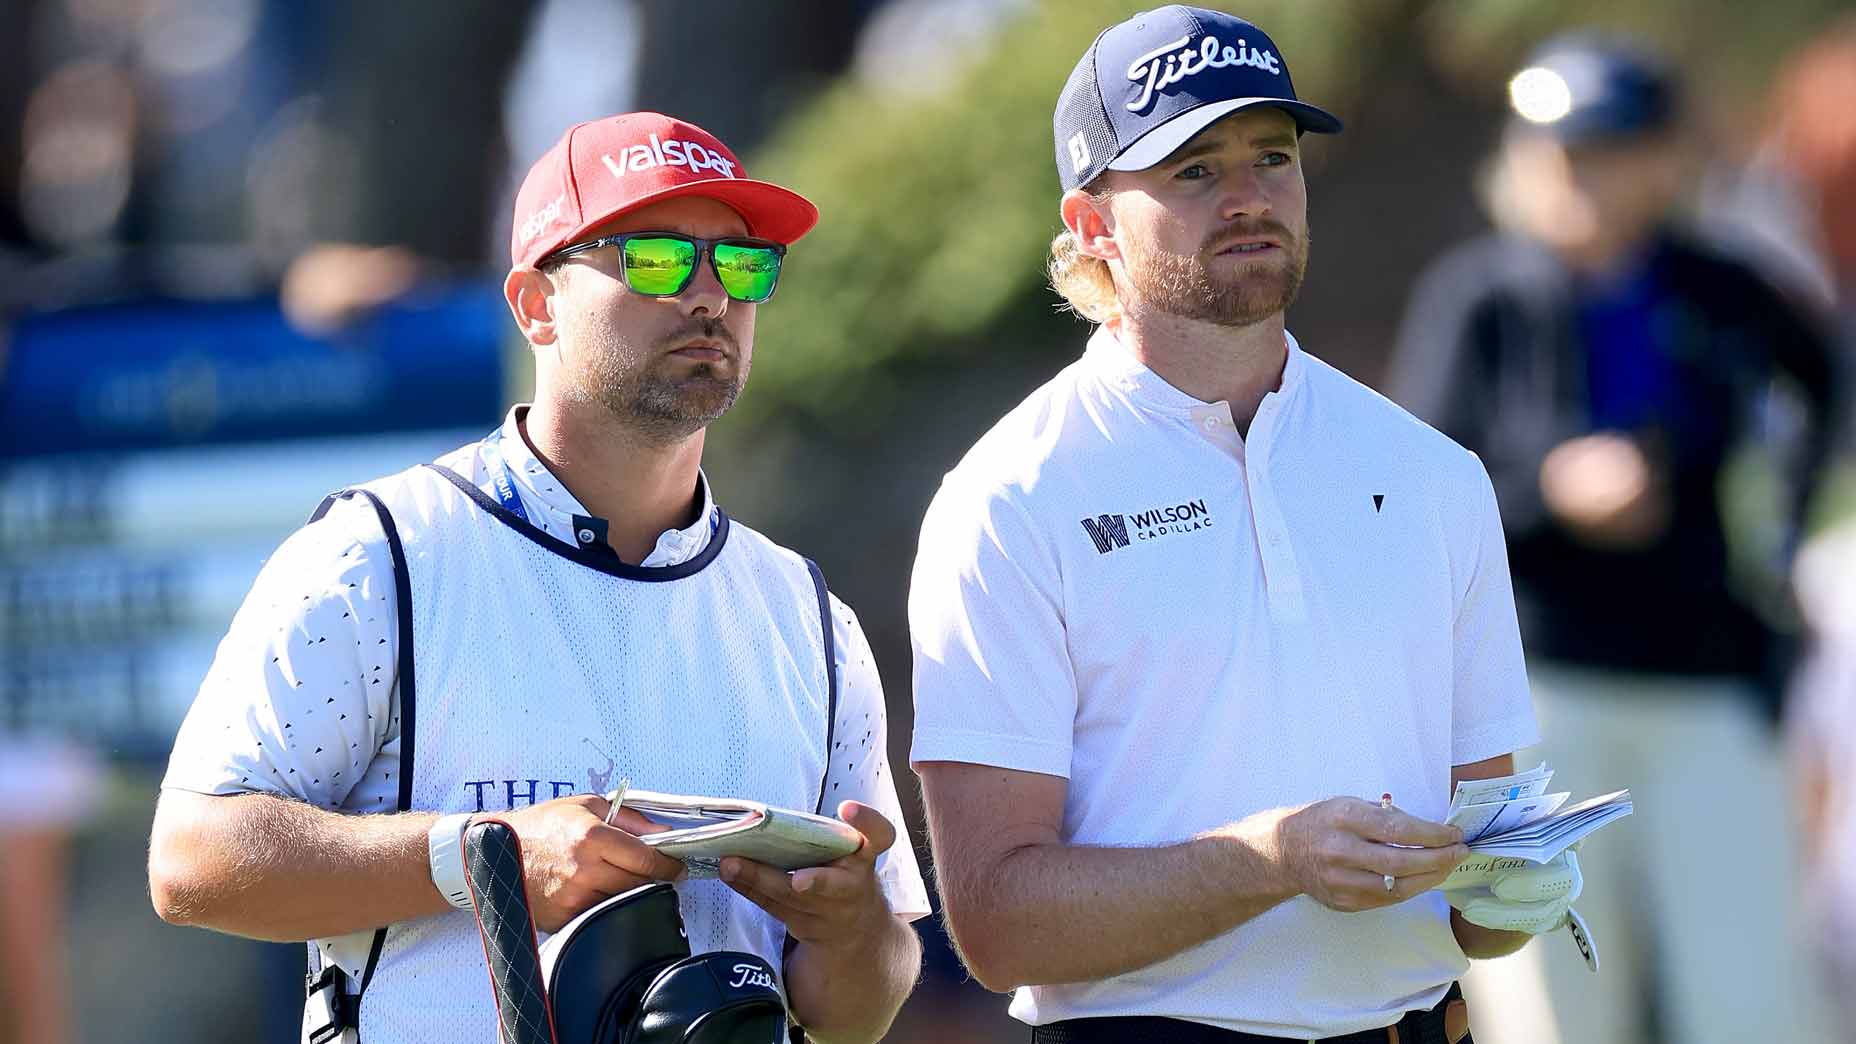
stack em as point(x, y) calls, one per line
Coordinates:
point(616, 801)
point(1385, 801)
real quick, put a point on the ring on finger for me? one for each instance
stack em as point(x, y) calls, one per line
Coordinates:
point(1391, 882)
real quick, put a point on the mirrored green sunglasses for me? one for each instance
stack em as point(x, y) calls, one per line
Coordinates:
point(662, 264)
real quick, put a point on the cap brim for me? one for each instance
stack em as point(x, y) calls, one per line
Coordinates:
point(771, 212)
point(1157, 144)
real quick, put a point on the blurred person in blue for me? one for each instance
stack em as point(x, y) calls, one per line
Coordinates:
point(1205, 631)
point(1606, 367)
point(536, 616)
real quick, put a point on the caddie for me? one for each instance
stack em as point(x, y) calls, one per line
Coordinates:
point(537, 615)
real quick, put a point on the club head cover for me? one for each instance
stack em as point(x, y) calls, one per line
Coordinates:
point(597, 967)
point(723, 997)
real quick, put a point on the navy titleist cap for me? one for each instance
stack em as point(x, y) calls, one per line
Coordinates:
point(1585, 87)
point(1146, 86)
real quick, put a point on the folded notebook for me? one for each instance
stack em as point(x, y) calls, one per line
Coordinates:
point(704, 829)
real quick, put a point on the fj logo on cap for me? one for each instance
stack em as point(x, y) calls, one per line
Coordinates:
point(1165, 66)
point(1079, 152)
point(672, 153)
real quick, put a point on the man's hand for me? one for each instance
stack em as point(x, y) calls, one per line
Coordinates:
point(572, 859)
point(1533, 899)
point(1339, 852)
point(836, 906)
point(849, 960)
point(1605, 489)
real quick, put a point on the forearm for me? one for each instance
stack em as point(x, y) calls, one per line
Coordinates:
point(852, 996)
point(273, 868)
point(1481, 943)
point(1061, 913)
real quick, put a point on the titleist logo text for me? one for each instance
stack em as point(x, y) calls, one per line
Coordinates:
point(1163, 67)
point(749, 975)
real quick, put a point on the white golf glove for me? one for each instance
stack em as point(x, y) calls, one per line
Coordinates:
point(1532, 899)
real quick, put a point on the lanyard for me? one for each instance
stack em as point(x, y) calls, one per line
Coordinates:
point(504, 483)
point(500, 478)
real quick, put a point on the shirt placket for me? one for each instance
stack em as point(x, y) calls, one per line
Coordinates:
point(1281, 577)
point(1213, 421)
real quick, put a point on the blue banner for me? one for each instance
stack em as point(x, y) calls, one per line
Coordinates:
point(162, 374)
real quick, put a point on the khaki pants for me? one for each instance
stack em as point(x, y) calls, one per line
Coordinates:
point(1692, 899)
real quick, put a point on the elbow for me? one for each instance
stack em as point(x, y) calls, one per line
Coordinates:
point(984, 944)
point(994, 931)
point(996, 971)
point(171, 888)
point(998, 979)
point(169, 896)
point(180, 885)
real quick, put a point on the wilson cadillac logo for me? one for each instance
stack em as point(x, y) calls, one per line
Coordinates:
point(1109, 532)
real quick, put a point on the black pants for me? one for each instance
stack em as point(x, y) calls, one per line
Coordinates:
point(1417, 1027)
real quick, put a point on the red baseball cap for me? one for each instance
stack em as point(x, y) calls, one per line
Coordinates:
point(603, 168)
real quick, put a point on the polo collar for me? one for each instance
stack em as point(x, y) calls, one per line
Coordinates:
point(539, 486)
point(1110, 361)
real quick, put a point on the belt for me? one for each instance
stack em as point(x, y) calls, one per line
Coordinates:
point(1446, 1023)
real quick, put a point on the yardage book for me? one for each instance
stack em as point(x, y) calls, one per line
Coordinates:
point(1511, 822)
point(704, 829)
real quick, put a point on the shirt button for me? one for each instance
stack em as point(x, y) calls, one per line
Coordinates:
point(585, 535)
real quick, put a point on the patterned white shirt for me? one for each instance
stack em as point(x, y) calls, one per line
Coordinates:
point(302, 697)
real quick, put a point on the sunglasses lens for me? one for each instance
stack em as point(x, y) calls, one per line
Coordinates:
point(659, 265)
point(747, 272)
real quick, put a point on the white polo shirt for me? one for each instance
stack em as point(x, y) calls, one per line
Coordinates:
point(1190, 626)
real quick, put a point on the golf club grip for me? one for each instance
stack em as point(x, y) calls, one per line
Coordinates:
point(493, 867)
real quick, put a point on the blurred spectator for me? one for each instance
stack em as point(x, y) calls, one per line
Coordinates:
point(1814, 137)
point(50, 786)
point(1794, 202)
point(1822, 731)
point(1815, 140)
point(1605, 367)
point(1812, 151)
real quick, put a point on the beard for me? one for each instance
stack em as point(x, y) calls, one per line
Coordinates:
point(661, 398)
point(1185, 286)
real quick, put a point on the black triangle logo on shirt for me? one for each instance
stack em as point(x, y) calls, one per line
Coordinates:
point(1378, 499)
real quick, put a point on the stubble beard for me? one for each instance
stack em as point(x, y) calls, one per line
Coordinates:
point(1182, 285)
point(660, 399)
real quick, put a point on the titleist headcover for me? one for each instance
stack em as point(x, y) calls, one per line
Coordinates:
point(620, 973)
